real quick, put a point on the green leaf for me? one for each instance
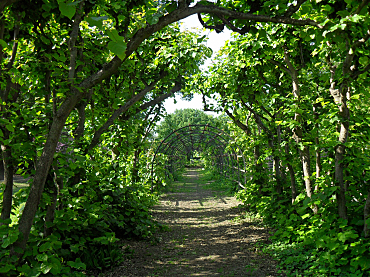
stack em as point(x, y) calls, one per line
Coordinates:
point(10, 128)
point(42, 257)
point(77, 264)
point(306, 201)
point(56, 266)
point(364, 60)
point(44, 40)
point(356, 18)
point(114, 36)
point(305, 216)
point(6, 268)
point(12, 237)
point(118, 48)
point(25, 269)
point(67, 9)
point(153, 20)
point(3, 43)
point(46, 246)
point(326, 8)
point(171, 7)
point(96, 21)
point(45, 268)
point(347, 235)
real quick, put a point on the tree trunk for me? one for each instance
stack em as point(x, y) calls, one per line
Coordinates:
point(292, 176)
point(276, 163)
point(42, 170)
point(50, 209)
point(298, 131)
point(340, 99)
point(259, 169)
point(367, 215)
point(339, 166)
point(306, 166)
point(282, 168)
point(317, 146)
point(341, 194)
point(278, 177)
point(135, 169)
point(8, 178)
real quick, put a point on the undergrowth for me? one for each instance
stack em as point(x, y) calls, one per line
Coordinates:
point(303, 243)
point(211, 179)
point(308, 244)
point(89, 223)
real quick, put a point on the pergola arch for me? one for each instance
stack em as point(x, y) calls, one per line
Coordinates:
point(180, 145)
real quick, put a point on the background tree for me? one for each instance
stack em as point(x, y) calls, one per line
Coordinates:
point(185, 117)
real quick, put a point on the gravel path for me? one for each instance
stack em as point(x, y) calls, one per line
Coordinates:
point(208, 236)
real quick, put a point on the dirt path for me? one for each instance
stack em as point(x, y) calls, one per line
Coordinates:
point(207, 237)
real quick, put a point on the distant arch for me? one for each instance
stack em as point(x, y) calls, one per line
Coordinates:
point(181, 144)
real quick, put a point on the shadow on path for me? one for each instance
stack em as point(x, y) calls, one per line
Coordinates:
point(208, 236)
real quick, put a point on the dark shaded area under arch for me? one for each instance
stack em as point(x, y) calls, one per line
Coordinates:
point(214, 144)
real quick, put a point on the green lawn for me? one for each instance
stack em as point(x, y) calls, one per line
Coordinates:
point(16, 187)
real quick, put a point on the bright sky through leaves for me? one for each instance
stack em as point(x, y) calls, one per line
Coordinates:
point(215, 42)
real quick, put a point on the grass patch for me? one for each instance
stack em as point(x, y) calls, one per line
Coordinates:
point(16, 186)
point(216, 182)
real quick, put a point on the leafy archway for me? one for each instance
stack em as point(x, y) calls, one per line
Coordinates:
point(215, 145)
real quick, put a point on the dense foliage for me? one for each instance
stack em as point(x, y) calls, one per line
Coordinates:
point(186, 117)
point(297, 95)
point(82, 146)
point(81, 86)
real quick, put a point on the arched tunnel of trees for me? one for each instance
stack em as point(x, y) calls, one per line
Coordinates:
point(84, 134)
point(200, 142)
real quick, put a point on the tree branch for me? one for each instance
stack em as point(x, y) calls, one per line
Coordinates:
point(292, 9)
point(15, 45)
point(359, 72)
point(280, 65)
point(175, 16)
point(155, 101)
point(151, 123)
point(72, 44)
point(121, 110)
point(238, 122)
point(113, 66)
point(257, 118)
point(5, 3)
point(362, 5)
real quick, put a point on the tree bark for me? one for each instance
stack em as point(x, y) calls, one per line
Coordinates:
point(6, 96)
point(237, 122)
point(367, 215)
point(304, 150)
point(42, 169)
point(8, 177)
point(317, 145)
point(340, 98)
point(276, 162)
point(259, 180)
point(50, 209)
point(5, 3)
point(292, 175)
point(78, 134)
